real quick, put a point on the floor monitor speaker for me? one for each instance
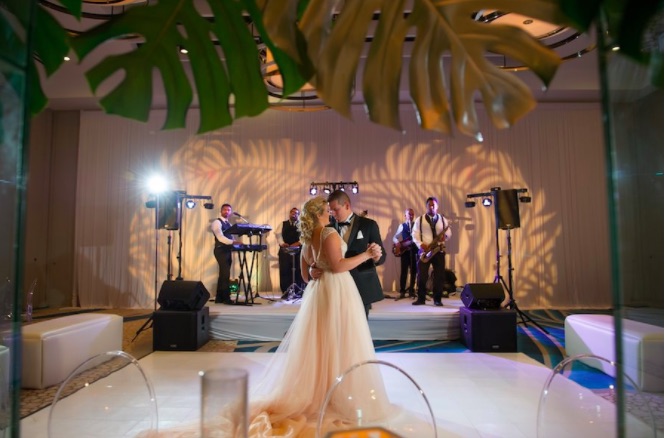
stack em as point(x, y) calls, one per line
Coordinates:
point(482, 295)
point(182, 295)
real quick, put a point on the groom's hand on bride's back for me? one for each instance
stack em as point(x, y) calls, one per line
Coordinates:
point(314, 272)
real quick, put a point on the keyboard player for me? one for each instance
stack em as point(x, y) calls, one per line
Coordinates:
point(223, 253)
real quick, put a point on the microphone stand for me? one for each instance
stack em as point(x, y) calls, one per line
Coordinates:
point(241, 217)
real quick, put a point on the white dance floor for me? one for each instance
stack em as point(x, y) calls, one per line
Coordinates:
point(471, 394)
point(388, 320)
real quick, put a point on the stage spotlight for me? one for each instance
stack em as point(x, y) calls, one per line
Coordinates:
point(487, 202)
point(327, 190)
point(156, 184)
point(208, 205)
point(190, 204)
point(313, 190)
point(525, 198)
point(342, 188)
point(470, 204)
point(354, 188)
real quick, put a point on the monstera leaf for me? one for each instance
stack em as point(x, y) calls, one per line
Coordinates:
point(168, 25)
point(441, 28)
point(636, 28)
point(326, 52)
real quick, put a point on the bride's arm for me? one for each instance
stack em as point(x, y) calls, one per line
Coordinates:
point(333, 253)
point(304, 264)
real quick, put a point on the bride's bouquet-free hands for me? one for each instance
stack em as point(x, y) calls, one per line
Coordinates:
point(374, 251)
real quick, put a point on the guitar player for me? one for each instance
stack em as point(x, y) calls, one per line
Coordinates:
point(407, 251)
point(429, 231)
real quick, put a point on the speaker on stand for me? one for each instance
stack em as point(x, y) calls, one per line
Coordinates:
point(507, 209)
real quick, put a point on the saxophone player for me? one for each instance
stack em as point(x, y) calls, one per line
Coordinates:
point(430, 231)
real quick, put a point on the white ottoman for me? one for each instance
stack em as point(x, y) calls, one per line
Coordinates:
point(642, 347)
point(53, 349)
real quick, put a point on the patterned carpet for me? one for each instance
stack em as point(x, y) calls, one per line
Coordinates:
point(546, 348)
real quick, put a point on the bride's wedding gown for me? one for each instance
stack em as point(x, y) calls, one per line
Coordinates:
point(328, 335)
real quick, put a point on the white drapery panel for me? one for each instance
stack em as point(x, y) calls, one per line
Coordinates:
point(263, 166)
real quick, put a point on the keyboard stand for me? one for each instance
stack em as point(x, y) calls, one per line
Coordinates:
point(247, 268)
point(245, 285)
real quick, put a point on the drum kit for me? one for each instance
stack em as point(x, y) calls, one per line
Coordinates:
point(293, 292)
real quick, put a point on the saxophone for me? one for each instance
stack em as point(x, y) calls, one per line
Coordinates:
point(436, 246)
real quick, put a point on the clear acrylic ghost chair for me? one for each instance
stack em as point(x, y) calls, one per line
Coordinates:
point(108, 395)
point(580, 400)
point(376, 394)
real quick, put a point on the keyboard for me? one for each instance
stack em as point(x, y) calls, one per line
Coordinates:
point(245, 247)
point(241, 229)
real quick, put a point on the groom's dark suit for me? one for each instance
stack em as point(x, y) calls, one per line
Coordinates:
point(363, 232)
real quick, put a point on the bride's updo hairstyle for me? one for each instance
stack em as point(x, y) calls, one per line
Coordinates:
point(309, 218)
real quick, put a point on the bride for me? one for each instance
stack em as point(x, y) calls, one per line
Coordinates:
point(328, 335)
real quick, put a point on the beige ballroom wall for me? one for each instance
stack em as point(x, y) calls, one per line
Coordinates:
point(263, 166)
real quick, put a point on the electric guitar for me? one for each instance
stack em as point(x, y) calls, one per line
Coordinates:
point(400, 248)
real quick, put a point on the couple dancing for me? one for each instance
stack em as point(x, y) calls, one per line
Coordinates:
point(330, 332)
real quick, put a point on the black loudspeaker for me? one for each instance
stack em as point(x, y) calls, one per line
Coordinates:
point(177, 330)
point(489, 330)
point(182, 295)
point(507, 209)
point(482, 295)
point(168, 211)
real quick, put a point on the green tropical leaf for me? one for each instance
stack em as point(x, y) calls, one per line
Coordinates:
point(51, 43)
point(165, 27)
point(628, 25)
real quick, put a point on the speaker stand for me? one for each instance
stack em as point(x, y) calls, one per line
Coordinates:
point(512, 304)
point(144, 327)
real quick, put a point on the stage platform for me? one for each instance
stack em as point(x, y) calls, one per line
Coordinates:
point(270, 317)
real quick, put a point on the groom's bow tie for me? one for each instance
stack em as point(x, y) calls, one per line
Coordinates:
point(343, 224)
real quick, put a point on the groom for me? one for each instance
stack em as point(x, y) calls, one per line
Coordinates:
point(358, 232)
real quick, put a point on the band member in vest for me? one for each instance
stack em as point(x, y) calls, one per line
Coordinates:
point(288, 238)
point(223, 253)
point(407, 251)
point(430, 231)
